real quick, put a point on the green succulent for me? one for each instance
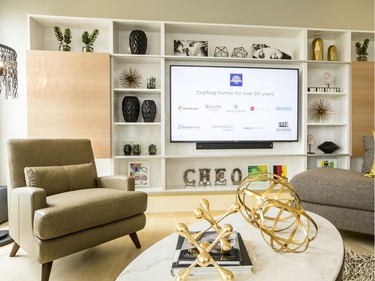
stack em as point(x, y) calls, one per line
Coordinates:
point(89, 39)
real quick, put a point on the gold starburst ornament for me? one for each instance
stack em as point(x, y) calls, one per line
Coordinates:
point(130, 78)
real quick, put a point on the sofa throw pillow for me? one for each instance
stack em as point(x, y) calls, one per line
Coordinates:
point(57, 179)
point(368, 158)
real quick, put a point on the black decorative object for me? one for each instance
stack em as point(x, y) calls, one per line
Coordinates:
point(148, 110)
point(130, 108)
point(138, 42)
point(328, 147)
point(136, 149)
point(127, 149)
point(152, 149)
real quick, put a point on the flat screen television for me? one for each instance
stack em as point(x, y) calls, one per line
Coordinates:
point(233, 105)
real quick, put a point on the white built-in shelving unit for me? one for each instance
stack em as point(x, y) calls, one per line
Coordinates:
point(172, 159)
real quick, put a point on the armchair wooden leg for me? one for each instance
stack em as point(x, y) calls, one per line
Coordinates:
point(46, 270)
point(14, 250)
point(135, 239)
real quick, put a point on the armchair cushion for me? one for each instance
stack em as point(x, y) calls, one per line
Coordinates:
point(73, 211)
point(57, 179)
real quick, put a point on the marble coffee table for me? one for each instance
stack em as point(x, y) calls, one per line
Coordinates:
point(323, 260)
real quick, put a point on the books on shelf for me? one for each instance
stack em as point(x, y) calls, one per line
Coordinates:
point(236, 260)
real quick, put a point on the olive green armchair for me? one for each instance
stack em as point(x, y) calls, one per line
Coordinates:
point(59, 206)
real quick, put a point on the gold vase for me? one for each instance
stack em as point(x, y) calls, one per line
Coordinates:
point(317, 47)
point(332, 53)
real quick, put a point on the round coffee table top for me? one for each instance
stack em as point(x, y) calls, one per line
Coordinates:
point(323, 259)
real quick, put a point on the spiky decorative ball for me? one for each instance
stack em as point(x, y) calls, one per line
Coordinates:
point(130, 78)
point(320, 110)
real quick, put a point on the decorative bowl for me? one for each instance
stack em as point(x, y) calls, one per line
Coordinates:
point(328, 147)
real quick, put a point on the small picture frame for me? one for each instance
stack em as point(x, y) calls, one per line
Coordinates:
point(280, 170)
point(254, 170)
point(193, 48)
point(141, 173)
point(326, 163)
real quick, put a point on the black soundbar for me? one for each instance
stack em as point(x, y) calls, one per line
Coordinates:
point(234, 145)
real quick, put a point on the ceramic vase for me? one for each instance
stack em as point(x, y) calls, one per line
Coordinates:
point(138, 42)
point(148, 110)
point(130, 108)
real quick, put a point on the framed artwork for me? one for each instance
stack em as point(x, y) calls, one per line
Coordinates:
point(194, 48)
point(326, 163)
point(280, 170)
point(140, 172)
point(254, 170)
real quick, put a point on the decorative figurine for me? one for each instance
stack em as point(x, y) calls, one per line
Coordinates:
point(310, 142)
point(317, 47)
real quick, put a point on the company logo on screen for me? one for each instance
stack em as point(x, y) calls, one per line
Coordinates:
point(188, 127)
point(236, 79)
point(181, 108)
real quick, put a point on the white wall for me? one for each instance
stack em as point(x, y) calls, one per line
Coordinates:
point(334, 14)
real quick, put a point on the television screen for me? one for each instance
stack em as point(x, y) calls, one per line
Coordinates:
point(233, 104)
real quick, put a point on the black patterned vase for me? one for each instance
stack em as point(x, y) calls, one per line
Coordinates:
point(138, 42)
point(148, 110)
point(130, 108)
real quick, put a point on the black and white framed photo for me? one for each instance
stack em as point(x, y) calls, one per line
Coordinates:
point(263, 51)
point(191, 48)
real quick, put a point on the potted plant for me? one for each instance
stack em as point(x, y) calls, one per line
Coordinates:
point(361, 50)
point(89, 39)
point(64, 39)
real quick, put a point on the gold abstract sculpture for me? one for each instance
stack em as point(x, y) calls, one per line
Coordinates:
point(283, 223)
point(204, 212)
point(317, 49)
point(321, 110)
point(204, 258)
point(332, 53)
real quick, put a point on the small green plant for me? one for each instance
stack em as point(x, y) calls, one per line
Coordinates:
point(64, 39)
point(361, 50)
point(89, 39)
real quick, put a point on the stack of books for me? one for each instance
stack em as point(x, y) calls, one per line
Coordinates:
point(236, 260)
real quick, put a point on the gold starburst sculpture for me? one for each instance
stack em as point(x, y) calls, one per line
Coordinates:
point(283, 223)
point(320, 110)
point(204, 258)
point(130, 78)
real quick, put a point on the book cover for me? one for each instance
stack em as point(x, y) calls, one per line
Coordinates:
point(245, 265)
point(188, 253)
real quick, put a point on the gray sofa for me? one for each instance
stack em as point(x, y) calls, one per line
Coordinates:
point(344, 197)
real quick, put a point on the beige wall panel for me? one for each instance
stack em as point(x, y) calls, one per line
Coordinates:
point(362, 104)
point(68, 96)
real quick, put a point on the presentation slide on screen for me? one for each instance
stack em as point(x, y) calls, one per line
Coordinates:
point(233, 104)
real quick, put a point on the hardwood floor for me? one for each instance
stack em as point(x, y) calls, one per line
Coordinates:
point(106, 261)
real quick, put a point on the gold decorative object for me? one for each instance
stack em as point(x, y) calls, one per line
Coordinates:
point(130, 78)
point(204, 258)
point(317, 47)
point(283, 223)
point(332, 53)
point(204, 212)
point(320, 110)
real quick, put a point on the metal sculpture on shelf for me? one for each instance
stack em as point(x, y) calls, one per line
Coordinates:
point(283, 223)
point(8, 72)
